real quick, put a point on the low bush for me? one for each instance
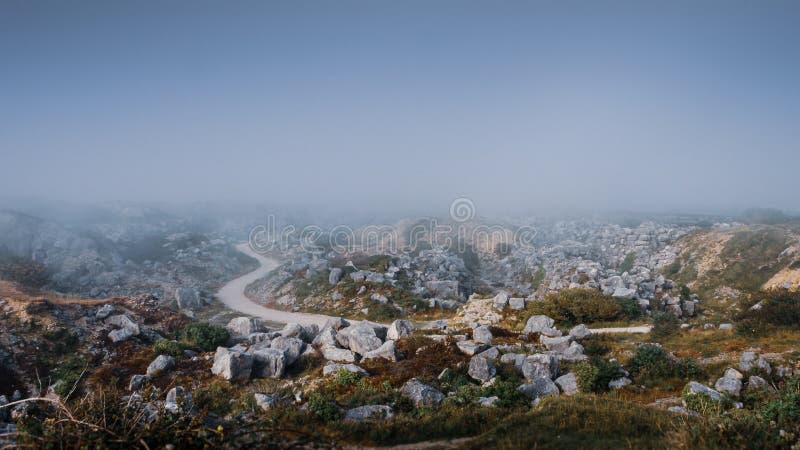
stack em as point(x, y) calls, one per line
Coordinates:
point(652, 363)
point(594, 376)
point(205, 336)
point(574, 306)
point(167, 347)
point(664, 324)
point(778, 308)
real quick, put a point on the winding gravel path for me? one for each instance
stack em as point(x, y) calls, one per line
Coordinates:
point(232, 295)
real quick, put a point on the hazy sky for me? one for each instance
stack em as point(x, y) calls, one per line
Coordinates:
point(591, 104)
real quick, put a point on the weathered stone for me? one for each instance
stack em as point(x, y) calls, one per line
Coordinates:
point(500, 301)
point(491, 353)
point(488, 402)
point(104, 311)
point(137, 382)
point(421, 394)
point(232, 365)
point(568, 384)
point(124, 322)
point(695, 388)
point(292, 347)
point(580, 332)
point(162, 364)
point(556, 344)
point(178, 401)
point(482, 334)
point(399, 329)
point(120, 335)
point(386, 351)
point(538, 323)
point(470, 348)
point(730, 372)
point(730, 386)
point(513, 358)
point(481, 369)
point(751, 361)
point(363, 339)
point(619, 383)
point(369, 413)
point(573, 353)
point(333, 369)
point(244, 326)
point(516, 303)
point(338, 354)
point(540, 365)
point(622, 292)
point(756, 383)
point(539, 388)
point(266, 401)
point(269, 362)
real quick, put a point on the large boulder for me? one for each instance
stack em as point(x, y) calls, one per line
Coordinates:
point(386, 351)
point(124, 322)
point(481, 369)
point(244, 326)
point(538, 388)
point(162, 364)
point(326, 338)
point(137, 382)
point(369, 413)
point(625, 293)
point(694, 388)
point(333, 369)
point(471, 348)
point(268, 362)
point(482, 334)
point(292, 347)
point(540, 365)
point(580, 332)
point(500, 301)
point(232, 364)
point(568, 384)
point(542, 325)
point(363, 339)
point(399, 329)
point(338, 354)
point(421, 394)
point(729, 385)
point(557, 344)
point(751, 361)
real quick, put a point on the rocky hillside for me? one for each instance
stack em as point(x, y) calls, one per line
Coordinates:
point(124, 373)
point(124, 254)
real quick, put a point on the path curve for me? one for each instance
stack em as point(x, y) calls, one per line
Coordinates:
point(232, 295)
point(638, 329)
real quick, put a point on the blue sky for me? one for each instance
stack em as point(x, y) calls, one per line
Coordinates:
point(376, 104)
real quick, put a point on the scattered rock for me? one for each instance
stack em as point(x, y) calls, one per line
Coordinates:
point(482, 335)
point(580, 332)
point(540, 365)
point(386, 351)
point(481, 369)
point(244, 326)
point(232, 365)
point(161, 364)
point(368, 413)
point(421, 394)
point(137, 382)
point(568, 384)
point(539, 388)
point(399, 329)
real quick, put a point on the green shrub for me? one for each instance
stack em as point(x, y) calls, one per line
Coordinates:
point(204, 336)
point(594, 376)
point(779, 309)
point(664, 324)
point(652, 362)
point(507, 393)
point(574, 306)
point(704, 404)
point(347, 378)
point(324, 407)
point(167, 347)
